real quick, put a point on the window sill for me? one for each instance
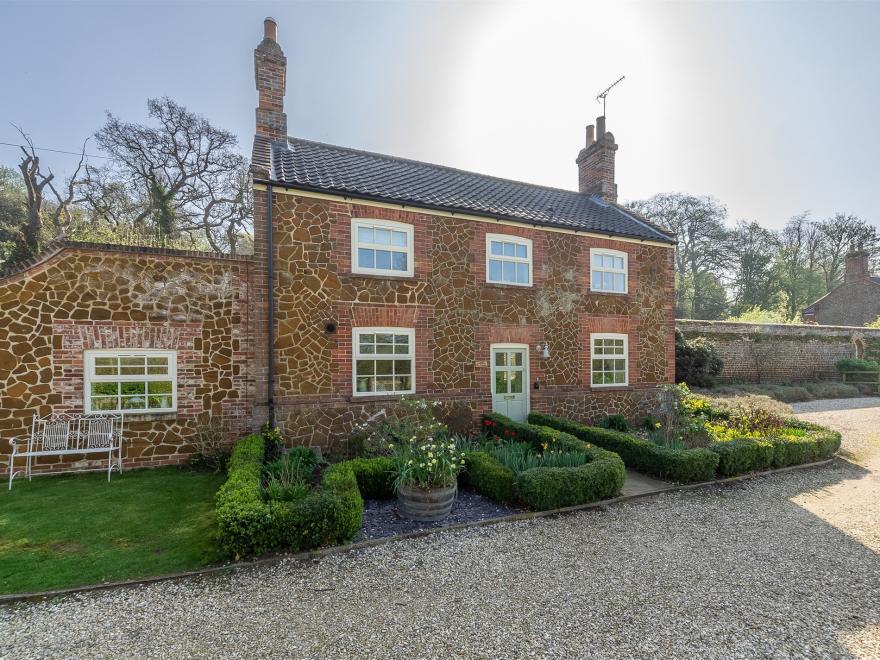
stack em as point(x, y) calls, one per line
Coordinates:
point(621, 294)
point(505, 285)
point(368, 398)
point(379, 276)
point(609, 388)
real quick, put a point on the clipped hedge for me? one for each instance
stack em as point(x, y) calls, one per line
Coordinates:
point(680, 465)
point(248, 525)
point(546, 488)
point(743, 455)
point(489, 476)
point(375, 477)
point(749, 455)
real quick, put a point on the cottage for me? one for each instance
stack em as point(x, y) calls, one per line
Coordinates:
point(372, 277)
point(392, 277)
point(856, 302)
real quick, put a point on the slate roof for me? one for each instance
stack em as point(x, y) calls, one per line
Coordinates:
point(316, 166)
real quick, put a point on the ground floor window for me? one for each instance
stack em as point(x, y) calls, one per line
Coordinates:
point(384, 361)
point(609, 360)
point(130, 380)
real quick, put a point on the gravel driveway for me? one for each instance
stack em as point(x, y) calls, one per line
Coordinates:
point(781, 566)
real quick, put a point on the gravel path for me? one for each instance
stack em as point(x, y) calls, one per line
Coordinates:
point(781, 566)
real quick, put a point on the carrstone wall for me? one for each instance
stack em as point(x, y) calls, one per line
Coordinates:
point(82, 297)
point(456, 316)
point(771, 353)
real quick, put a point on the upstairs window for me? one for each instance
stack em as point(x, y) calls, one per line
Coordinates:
point(609, 361)
point(508, 260)
point(608, 271)
point(381, 247)
point(130, 381)
point(384, 361)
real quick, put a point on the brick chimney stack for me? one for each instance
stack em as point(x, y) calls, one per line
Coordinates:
point(596, 163)
point(270, 71)
point(858, 268)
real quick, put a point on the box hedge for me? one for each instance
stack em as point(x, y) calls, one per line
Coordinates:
point(750, 455)
point(544, 488)
point(248, 525)
point(680, 465)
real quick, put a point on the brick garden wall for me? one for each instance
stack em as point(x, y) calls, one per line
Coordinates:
point(756, 352)
point(84, 297)
point(456, 316)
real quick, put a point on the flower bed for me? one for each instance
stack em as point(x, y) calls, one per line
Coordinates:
point(600, 476)
point(681, 465)
point(250, 524)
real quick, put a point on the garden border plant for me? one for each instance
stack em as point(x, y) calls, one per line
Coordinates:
point(328, 515)
point(680, 465)
point(543, 488)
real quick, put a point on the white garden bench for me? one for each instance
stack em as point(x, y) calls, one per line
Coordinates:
point(65, 435)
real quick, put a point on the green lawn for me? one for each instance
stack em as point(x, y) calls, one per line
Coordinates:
point(68, 530)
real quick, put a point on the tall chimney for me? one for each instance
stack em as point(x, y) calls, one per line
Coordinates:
point(858, 268)
point(270, 72)
point(596, 163)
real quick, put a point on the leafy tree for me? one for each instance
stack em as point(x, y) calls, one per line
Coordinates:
point(761, 315)
point(753, 280)
point(703, 250)
point(839, 234)
point(13, 214)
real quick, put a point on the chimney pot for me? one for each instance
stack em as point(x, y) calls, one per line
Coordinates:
point(270, 29)
point(600, 127)
point(591, 134)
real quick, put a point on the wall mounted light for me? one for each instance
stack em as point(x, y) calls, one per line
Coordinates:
point(543, 349)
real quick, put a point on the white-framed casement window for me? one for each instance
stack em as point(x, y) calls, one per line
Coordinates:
point(130, 381)
point(381, 247)
point(609, 270)
point(609, 360)
point(508, 260)
point(384, 361)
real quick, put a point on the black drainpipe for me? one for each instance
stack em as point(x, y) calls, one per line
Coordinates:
point(270, 401)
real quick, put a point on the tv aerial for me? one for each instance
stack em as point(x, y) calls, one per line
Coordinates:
point(603, 95)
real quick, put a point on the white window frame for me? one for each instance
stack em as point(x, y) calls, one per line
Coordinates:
point(624, 271)
point(90, 377)
point(356, 355)
point(608, 335)
point(507, 238)
point(357, 223)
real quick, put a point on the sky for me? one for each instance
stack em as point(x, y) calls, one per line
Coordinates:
point(769, 107)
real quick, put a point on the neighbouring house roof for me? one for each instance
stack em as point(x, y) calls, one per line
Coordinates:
point(316, 166)
point(811, 308)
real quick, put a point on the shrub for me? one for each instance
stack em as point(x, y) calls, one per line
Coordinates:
point(246, 526)
point(616, 423)
point(681, 465)
point(697, 361)
point(543, 488)
point(488, 476)
point(814, 443)
point(857, 364)
point(832, 390)
point(743, 455)
point(327, 516)
point(375, 477)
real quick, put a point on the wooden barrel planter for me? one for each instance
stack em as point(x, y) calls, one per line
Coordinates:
point(426, 505)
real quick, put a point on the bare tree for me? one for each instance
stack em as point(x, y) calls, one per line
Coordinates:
point(56, 211)
point(179, 176)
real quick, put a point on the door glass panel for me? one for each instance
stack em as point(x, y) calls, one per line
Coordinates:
point(516, 382)
point(516, 358)
point(500, 359)
point(501, 382)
